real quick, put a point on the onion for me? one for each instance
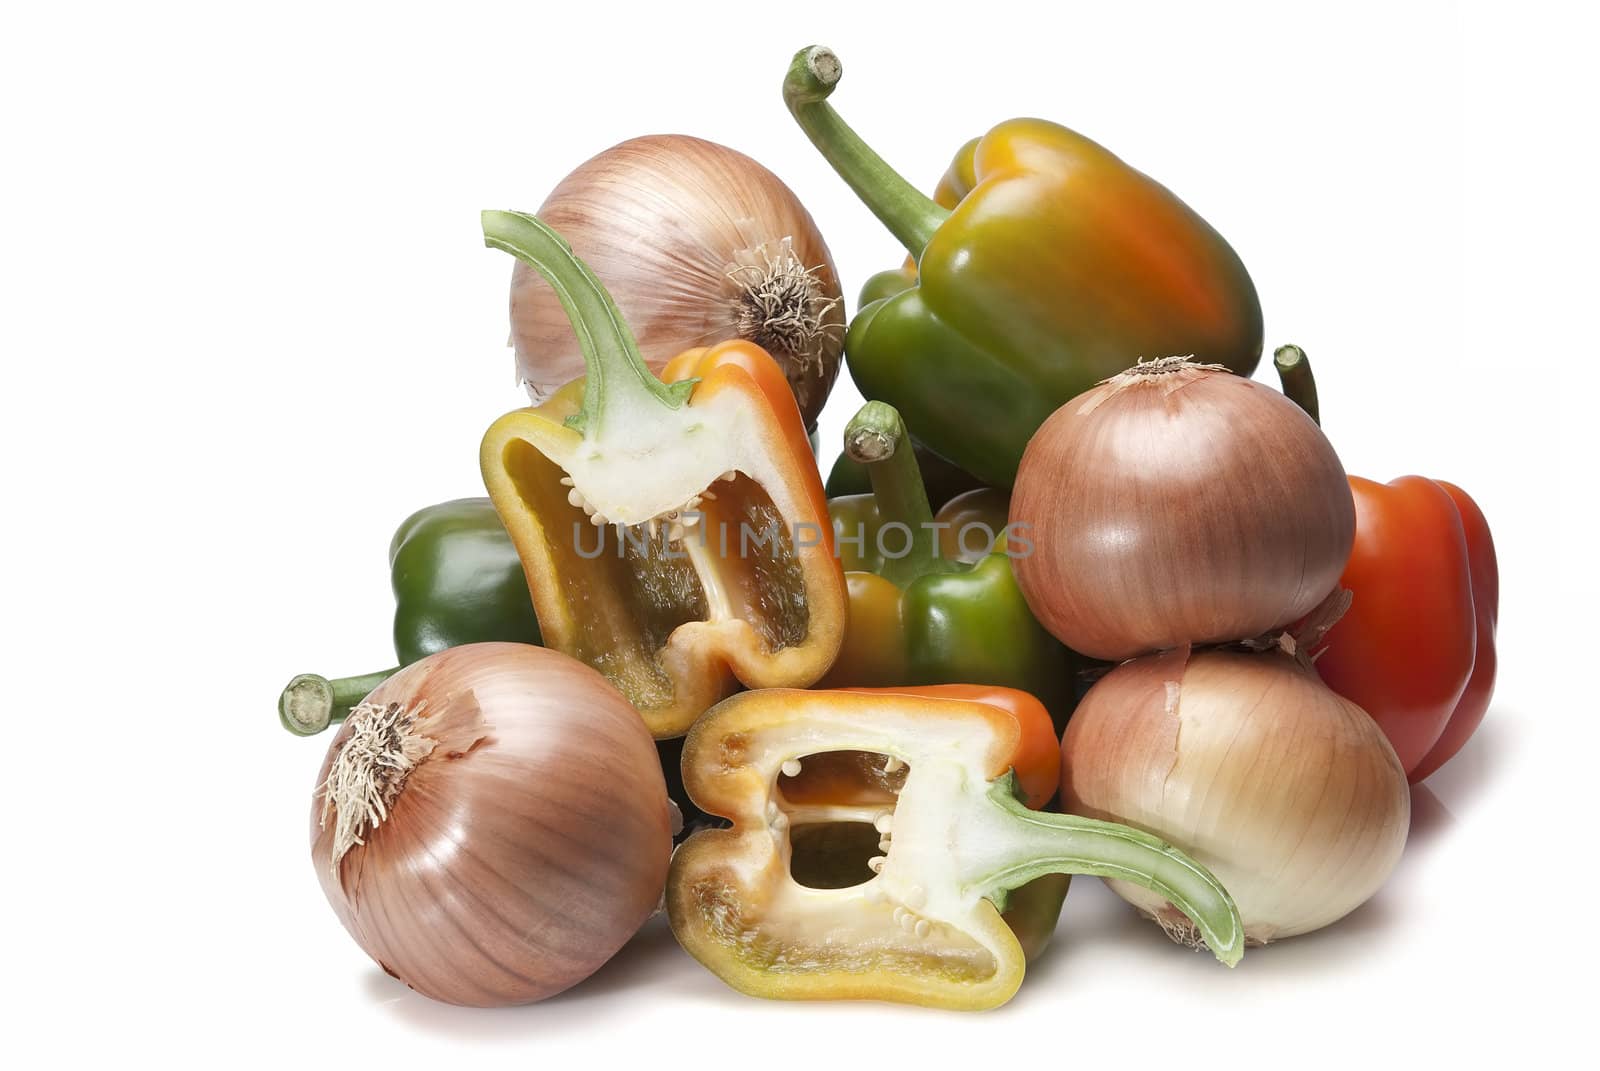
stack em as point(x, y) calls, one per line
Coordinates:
point(1178, 503)
point(491, 824)
point(698, 244)
point(1288, 793)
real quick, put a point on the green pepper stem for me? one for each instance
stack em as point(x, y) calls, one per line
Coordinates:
point(876, 438)
point(619, 381)
point(1299, 386)
point(309, 703)
point(910, 215)
point(1039, 843)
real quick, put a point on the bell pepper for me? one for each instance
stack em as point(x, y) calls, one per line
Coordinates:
point(456, 580)
point(1416, 648)
point(603, 489)
point(801, 899)
point(932, 597)
point(1060, 267)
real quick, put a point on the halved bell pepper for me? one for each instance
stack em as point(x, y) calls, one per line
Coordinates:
point(674, 534)
point(932, 596)
point(1416, 648)
point(1060, 267)
point(456, 580)
point(875, 837)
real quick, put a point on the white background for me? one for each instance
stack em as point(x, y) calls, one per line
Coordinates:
point(248, 325)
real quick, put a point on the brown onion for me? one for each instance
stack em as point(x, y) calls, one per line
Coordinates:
point(491, 824)
point(1178, 503)
point(1288, 793)
point(698, 244)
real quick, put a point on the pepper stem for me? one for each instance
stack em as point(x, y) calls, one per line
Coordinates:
point(1294, 372)
point(1039, 843)
point(619, 382)
point(876, 437)
point(910, 215)
point(309, 703)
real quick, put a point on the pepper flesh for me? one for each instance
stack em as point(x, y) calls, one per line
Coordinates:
point(456, 580)
point(937, 771)
point(948, 610)
point(1059, 267)
point(604, 489)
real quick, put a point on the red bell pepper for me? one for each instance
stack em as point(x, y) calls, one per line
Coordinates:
point(1416, 649)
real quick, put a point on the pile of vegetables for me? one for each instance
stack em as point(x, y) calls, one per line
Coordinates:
point(1086, 598)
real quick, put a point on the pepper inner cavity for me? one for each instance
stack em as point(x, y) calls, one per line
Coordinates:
point(749, 549)
point(624, 600)
point(837, 808)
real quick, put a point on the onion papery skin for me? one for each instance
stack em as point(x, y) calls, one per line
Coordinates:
point(667, 222)
point(1185, 506)
point(1290, 794)
point(524, 849)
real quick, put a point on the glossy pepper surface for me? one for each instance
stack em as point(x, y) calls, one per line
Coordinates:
point(1059, 267)
point(794, 901)
point(957, 181)
point(1416, 648)
point(932, 596)
point(674, 535)
point(456, 580)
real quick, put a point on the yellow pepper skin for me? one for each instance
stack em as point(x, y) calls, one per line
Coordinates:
point(674, 535)
point(1058, 267)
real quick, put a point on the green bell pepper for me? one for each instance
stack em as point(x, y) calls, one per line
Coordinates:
point(932, 597)
point(457, 579)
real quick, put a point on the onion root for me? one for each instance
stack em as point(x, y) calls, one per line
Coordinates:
point(383, 747)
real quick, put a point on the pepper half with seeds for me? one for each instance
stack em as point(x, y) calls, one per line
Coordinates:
point(675, 536)
point(794, 901)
